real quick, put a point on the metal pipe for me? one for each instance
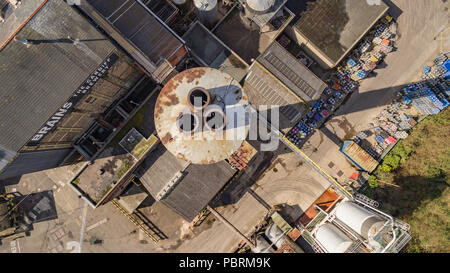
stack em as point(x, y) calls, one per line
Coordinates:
point(227, 223)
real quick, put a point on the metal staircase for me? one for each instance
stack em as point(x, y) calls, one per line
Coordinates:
point(366, 200)
point(142, 222)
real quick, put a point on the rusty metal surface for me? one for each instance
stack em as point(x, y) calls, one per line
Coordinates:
point(204, 146)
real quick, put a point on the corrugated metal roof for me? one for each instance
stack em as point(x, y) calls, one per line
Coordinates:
point(262, 88)
point(159, 169)
point(30, 162)
point(37, 80)
point(292, 72)
point(139, 26)
point(192, 191)
point(359, 156)
point(196, 190)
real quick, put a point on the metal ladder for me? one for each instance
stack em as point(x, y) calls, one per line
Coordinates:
point(366, 200)
point(201, 217)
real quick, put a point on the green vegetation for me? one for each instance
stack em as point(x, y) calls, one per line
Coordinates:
point(392, 161)
point(137, 121)
point(105, 191)
point(420, 165)
point(76, 181)
point(140, 148)
point(126, 165)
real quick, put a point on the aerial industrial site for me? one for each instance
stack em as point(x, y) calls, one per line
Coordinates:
point(224, 126)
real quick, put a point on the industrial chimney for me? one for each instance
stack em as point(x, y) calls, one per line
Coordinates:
point(200, 115)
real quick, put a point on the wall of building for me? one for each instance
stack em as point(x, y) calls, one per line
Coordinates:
point(114, 84)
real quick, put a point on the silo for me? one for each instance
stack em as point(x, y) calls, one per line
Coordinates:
point(183, 5)
point(200, 115)
point(207, 12)
point(179, 2)
point(259, 6)
point(332, 239)
point(364, 222)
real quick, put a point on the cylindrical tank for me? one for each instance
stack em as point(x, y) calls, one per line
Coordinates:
point(364, 222)
point(200, 115)
point(179, 2)
point(259, 6)
point(332, 239)
point(275, 235)
point(207, 12)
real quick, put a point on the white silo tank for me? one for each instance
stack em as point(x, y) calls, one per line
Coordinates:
point(179, 2)
point(207, 12)
point(364, 222)
point(260, 6)
point(332, 239)
point(275, 235)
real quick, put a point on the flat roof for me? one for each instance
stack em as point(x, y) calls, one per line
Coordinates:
point(190, 189)
point(210, 50)
point(292, 72)
point(159, 168)
point(38, 79)
point(334, 27)
point(196, 190)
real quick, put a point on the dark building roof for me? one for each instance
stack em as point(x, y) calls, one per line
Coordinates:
point(196, 190)
point(36, 80)
point(3, 3)
point(137, 24)
point(336, 26)
point(189, 190)
point(159, 168)
point(208, 48)
point(30, 162)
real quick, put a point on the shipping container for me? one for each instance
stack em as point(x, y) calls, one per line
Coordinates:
point(358, 156)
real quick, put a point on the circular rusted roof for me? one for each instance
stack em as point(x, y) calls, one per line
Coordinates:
point(203, 146)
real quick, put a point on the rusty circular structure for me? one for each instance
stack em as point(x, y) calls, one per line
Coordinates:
point(209, 132)
point(214, 119)
point(201, 96)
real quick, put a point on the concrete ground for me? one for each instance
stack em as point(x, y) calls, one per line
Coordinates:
point(287, 180)
point(102, 230)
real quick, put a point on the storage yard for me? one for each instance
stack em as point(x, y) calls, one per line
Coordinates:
point(165, 166)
